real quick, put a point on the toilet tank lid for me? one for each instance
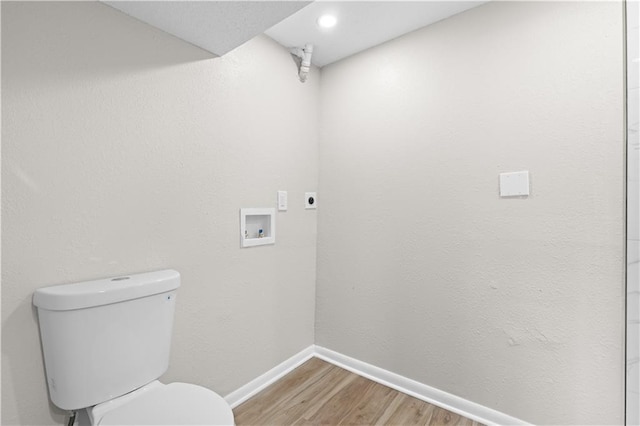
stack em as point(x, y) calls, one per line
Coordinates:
point(105, 291)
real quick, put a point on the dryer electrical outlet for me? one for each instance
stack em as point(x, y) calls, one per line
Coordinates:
point(310, 200)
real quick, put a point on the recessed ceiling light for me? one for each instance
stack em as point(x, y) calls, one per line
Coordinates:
point(327, 21)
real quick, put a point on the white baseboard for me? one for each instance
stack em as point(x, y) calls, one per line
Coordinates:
point(239, 396)
point(395, 381)
point(418, 390)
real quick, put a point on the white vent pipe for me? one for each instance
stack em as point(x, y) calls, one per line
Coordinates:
point(305, 60)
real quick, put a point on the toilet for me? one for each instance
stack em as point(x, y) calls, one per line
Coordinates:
point(106, 343)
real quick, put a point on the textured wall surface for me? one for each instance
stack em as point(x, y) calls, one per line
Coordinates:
point(516, 304)
point(126, 150)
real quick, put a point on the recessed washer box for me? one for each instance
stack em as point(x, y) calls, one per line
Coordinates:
point(257, 227)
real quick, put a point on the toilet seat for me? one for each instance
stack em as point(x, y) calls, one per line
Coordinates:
point(159, 404)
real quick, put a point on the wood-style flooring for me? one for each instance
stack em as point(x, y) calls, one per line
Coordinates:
point(319, 393)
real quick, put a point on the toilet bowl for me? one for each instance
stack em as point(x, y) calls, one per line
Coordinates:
point(106, 343)
point(160, 404)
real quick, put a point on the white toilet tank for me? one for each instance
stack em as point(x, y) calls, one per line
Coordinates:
point(104, 338)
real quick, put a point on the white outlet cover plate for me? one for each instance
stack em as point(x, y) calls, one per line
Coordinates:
point(282, 201)
point(514, 184)
point(307, 197)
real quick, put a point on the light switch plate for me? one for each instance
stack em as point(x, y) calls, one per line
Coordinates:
point(282, 201)
point(514, 184)
point(310, 200)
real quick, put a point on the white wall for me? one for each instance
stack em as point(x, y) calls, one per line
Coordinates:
point(126, 150)
point(516, 304)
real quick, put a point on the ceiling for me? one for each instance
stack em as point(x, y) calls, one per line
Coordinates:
point(361, 24)
point(220, 26)
point(216, 26)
